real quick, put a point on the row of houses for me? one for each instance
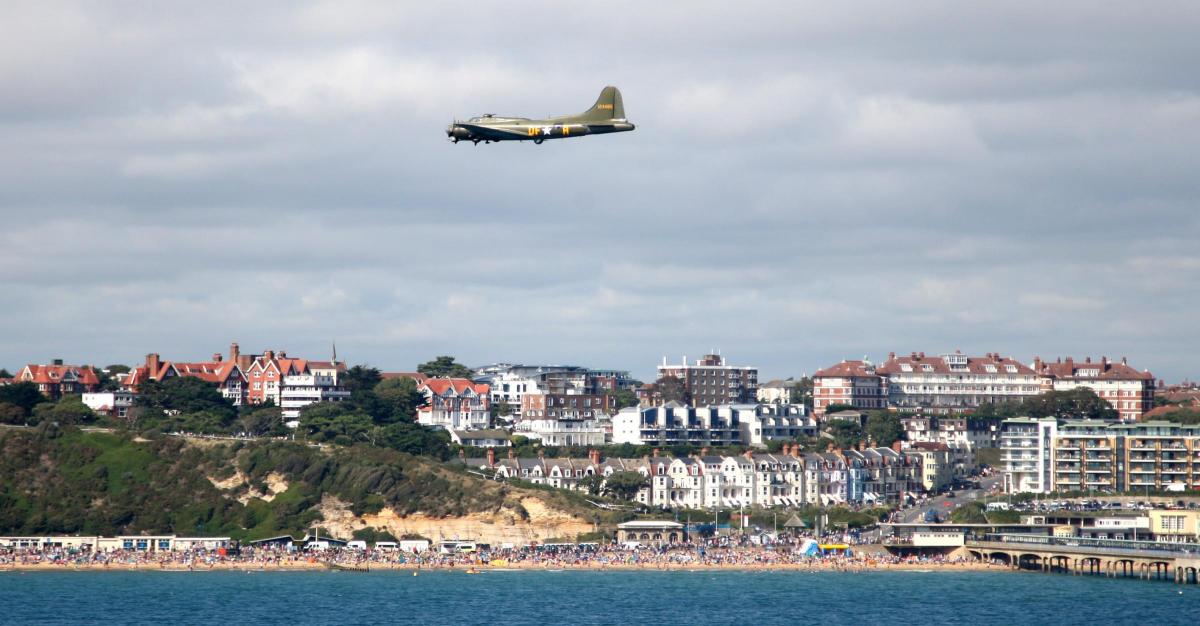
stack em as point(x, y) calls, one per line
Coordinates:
point(1049, 455)
point(790, 478)
point(956, 383)
point(135, 543)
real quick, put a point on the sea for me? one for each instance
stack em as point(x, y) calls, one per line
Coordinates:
point(696, 598)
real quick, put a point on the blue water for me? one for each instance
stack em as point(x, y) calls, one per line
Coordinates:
point(582, 598)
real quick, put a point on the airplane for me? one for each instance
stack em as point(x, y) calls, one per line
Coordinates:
point(606, 116)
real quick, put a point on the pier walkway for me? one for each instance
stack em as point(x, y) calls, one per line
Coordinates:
point(1145, 560)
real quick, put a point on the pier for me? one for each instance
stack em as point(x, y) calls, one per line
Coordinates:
point(1144, 560)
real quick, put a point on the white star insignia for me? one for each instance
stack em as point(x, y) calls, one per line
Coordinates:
point(546, 130)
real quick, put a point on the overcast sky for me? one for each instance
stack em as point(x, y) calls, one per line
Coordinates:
point(807, 182)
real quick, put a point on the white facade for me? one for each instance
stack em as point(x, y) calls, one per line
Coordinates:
point(556, 432)
point(1025, 446)
point(301, 390)
point(113, 403)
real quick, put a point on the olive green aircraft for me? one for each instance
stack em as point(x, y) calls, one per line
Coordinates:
point(606, 116)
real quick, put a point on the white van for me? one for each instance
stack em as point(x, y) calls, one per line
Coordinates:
point(385, 546)
point(316, 546)
point(356, 545)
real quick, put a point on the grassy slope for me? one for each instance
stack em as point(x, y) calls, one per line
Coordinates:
point(98, 483)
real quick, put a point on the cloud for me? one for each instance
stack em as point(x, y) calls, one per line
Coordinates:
point(814, 183)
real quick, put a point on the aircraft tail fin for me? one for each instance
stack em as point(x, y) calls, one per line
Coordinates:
point(608, 106)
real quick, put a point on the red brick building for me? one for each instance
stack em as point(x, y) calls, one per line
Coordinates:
point(854, 383)
point(57, 380)
point(1129, 391)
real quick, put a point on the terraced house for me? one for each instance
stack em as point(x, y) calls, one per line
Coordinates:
point(57, 380)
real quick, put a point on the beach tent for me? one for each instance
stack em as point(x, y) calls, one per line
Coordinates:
point(794, 523)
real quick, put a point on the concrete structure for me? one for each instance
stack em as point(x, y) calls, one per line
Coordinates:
point(709, 381)
point(674, 423)
point(775, 392)
point(1129, 391)
point(1143, 560)
point(301, 390)
point(1175, 525)
point(937, 469)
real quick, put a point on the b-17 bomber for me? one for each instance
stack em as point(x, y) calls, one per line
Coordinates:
point(606, 116)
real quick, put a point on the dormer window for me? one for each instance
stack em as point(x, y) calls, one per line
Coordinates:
point(1011, 369)
point(926, 367)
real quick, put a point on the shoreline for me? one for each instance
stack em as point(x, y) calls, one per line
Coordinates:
point(817, 566)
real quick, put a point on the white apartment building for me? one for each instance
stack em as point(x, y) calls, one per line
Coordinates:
point(729, 424)
point(300, 390)
point(1025, 446)
point(955, 382)
point(563, 432)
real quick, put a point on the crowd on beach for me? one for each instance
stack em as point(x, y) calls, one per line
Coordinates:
point(559, 556)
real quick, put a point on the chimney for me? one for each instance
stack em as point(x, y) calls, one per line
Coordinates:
point(462, 453)
point(1037, 364)
point(704, 451)
point(511, 454)
point(268, 354)
point(891, 355)
point(491, 456)
point(829, 448)
point(1087, 359)
point(749, 454)
point(654, 453)
point(56, 362)
point(594, 456)
point(152, 364)
point(862, 445)
point(541, 454)
point(1124, 361)
point(216, 357)
point(922, 355)
point(282, 354)
point(234, 352)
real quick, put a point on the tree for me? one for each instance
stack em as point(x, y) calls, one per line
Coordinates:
point(1078, 403)
point(671, 389)
point(884, 428)
point(837, 408)
point(261, 421)
point(108, 376)
point(4, 373)
point(802, 392)
point(592, 483)
point(624, 485)
point(360, 378)
point(398, 399)
point(185, 394)
point(444, 367)
point(23, 394)
point(845, 433)
point(68, 410)
point(417, 440)
point(11, 413)
point(622, 398)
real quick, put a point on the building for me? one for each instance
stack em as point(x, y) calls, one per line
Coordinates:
point(937, 467)
point(1043, 456)
point(57, 380)
point(319, 384)
point(711, 382)
point(225, 375)
point(789, 478)
point(955, 382)
point(651, 532)
point(1025, 446)
point(675, 424)
point(1129, 391)
point(509, 383)
point(1175, 525)
point(455, 404)
point(851, 383)
point(776, 392)
point(777, 422)
point(486, 438)
point(110, 403)
point(951, 429)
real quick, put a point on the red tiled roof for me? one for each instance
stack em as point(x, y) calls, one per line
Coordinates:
point(975, 365)
point(213, 372)
point(441, 386)
point(848, 368)
point(1108, 370)
point(53, 374)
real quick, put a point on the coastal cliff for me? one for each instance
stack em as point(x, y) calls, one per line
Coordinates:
point(69, 481)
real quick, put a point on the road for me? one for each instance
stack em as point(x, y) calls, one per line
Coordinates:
point(944, 505)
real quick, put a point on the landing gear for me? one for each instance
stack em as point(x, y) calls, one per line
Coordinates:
point(538, 141)
point(476, 141)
